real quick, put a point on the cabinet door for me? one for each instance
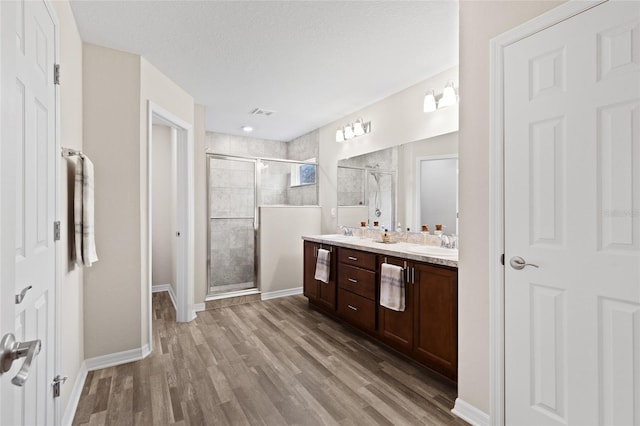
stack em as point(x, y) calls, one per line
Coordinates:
point(310, 285)
point(396, 328)
point(436, 318)
point(327, 291)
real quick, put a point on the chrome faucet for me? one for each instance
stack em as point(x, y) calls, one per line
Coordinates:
point(346, 231)
point(449, 241)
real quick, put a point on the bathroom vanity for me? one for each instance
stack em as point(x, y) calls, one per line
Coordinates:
point(426, 331)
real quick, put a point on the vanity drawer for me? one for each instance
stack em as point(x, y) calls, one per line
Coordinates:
point(356, 309)
point(357, 280)
point(357, 258)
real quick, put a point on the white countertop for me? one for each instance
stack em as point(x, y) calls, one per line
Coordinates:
point(417, 252)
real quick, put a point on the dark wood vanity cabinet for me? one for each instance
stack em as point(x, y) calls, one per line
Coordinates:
point(357, 288)
point(396, 328)
point(321, 293)
point(435, 326)
point(426, 331)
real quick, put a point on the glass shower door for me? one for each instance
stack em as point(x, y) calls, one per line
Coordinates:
point(232, 224)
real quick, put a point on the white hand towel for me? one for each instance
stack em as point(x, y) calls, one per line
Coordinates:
point(77, 212)
point(322, 266)
point(392, 287)
point(84, 247)
point(89, 255)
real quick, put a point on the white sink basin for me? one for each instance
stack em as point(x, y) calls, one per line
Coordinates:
point(433, 251)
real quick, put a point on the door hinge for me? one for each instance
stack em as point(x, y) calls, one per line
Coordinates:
point(56, 230)
point(502, 259)
point(56, 74)
point(56, 385)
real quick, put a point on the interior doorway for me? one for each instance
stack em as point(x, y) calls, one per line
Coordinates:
point(183, 232)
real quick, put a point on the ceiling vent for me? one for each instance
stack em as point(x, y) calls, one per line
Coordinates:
point(260, 111)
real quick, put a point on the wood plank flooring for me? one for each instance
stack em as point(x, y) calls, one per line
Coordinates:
point(275, 362)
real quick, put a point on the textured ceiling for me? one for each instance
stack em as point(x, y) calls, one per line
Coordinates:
point(311, 62)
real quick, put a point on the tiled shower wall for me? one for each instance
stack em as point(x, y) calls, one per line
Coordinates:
point(231, 196)
point(351, 185)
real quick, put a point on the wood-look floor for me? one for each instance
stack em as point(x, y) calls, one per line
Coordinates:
point(264, 363)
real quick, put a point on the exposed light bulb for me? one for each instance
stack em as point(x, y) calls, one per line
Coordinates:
point(448, 96)
point(348, 132)
point(430, 101)
point(339, 135)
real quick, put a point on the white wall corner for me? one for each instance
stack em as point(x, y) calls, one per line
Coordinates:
point(281, 293)
point(470, 414)
point(110, 360)
point(74, 398)
point(165, 287)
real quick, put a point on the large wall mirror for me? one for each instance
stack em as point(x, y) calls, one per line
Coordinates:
point(411, 184)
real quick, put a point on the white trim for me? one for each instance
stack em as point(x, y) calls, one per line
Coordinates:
point(199, 307)
point(496, 188)
point(57, 286)
point(118, 358)
point(185, 213)
point(158, 288)
point(470, 414)
point(74, 396)
point(281, 293)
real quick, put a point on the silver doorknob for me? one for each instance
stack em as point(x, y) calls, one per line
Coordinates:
point(518, 263)
point(10, 350)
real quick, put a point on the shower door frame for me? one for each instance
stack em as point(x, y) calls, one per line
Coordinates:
point(256, 186)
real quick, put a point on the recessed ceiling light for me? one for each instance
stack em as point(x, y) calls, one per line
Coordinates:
point(247, 129)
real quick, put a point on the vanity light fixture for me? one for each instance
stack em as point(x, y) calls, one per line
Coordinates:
point(430, 101)
point(350, 131)
point(447, 98)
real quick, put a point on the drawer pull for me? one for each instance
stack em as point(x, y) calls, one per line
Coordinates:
point(353, 258)
point(352, 308)
point(352, 280)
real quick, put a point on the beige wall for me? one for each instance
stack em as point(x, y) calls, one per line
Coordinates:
point(112, 298)
point(155, 87)
point(389, 128)
point(163, 251)
point(71, 289)
point(407, 185)
point(200, 191)
point(479, 22)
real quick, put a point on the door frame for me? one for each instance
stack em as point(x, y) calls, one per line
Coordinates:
point(496, 191)
point(418, 192)
point(6, 117)
point(184, 214)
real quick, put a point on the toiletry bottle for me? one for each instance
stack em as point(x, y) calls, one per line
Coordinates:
point(399, 228)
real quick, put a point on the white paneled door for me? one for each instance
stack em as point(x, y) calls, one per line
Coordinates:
point(28, 179)
point(572, 217)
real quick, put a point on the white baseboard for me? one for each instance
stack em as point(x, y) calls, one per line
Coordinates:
point(198, 307)
point(281, 293)
point(165, 287)
point(470, 414)
point(117, 358)
point(74, 397)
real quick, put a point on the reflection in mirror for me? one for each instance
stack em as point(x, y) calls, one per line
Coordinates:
point(438, 189)
point(367, 189)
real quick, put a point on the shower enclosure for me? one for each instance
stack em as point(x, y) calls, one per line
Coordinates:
point(370, 187)
point(237, 186)
point(232, 224)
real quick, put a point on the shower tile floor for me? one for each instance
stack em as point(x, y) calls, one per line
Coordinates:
point(272, 362)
